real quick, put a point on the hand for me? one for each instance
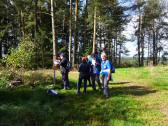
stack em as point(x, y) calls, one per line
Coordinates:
point(56, 62)
point(101, 76)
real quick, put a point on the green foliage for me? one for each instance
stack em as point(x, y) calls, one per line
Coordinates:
point(64, 50)
point(22, 56)
point(3, 81)
point(5, 77)
point(88, 51)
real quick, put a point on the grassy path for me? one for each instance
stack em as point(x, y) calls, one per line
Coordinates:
point(136, 100)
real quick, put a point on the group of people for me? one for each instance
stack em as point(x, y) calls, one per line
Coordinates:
point(91, 69)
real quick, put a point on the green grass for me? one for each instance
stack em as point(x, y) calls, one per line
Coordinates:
point(138, 98)
point(156, 77)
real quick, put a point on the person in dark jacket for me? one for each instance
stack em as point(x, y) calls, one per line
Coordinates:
point(64, 71)
point(84, 70)
point(89, 63)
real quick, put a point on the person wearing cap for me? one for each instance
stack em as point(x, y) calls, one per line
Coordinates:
point(64, 71)
point(83, 75)
point(105, 71)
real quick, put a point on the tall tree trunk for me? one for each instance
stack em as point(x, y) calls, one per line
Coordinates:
point(104, 36)
point(116, 48)
point(35, 32)
point(85, 27)
point(100, 41)
point(108, 39)
point(70, 31)
point(53, 32)
point(148, 58)
point(76, 34)
point(112, 49)
point(139, 39)
point(100, 35)
point(0, 49)
point(64, 30)
point(54, 38)
point(142, 47)
point(35, 21)
point(120, 55)
point(154, 45)
point(94, 32)
point(154, 48)
point(22, 24)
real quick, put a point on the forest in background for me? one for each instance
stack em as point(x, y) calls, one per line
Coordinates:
point(82, 27)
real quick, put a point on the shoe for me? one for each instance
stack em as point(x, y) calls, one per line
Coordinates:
point(65, 88)
point(100, 90)
point(78, 93)
point(107, 97)
point(85, 92)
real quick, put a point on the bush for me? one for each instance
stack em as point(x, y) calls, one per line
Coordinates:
point(22, 56)
point(34, 78)
point(2, 62)
point(5, 77)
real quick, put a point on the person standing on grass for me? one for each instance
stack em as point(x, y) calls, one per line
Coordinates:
point(89, 63)
point(64, 71)
point(84, 69)
point(96, 67)
point(105, 72)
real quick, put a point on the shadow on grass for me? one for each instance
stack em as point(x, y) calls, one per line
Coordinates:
point(34, 107)
point(132, 90)
point(119, 82)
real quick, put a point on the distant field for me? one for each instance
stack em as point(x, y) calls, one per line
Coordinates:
point(138, 98)
point(157, 77)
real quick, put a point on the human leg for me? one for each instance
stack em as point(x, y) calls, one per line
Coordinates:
point(105, 85)
point(93, 81)
point(97, 78)
point(79, 85)
point(85, 85)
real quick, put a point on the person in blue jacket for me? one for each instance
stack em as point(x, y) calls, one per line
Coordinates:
point(105, 72)
point(96, 68)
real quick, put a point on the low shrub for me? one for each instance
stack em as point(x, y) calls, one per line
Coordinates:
point(22, 56)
